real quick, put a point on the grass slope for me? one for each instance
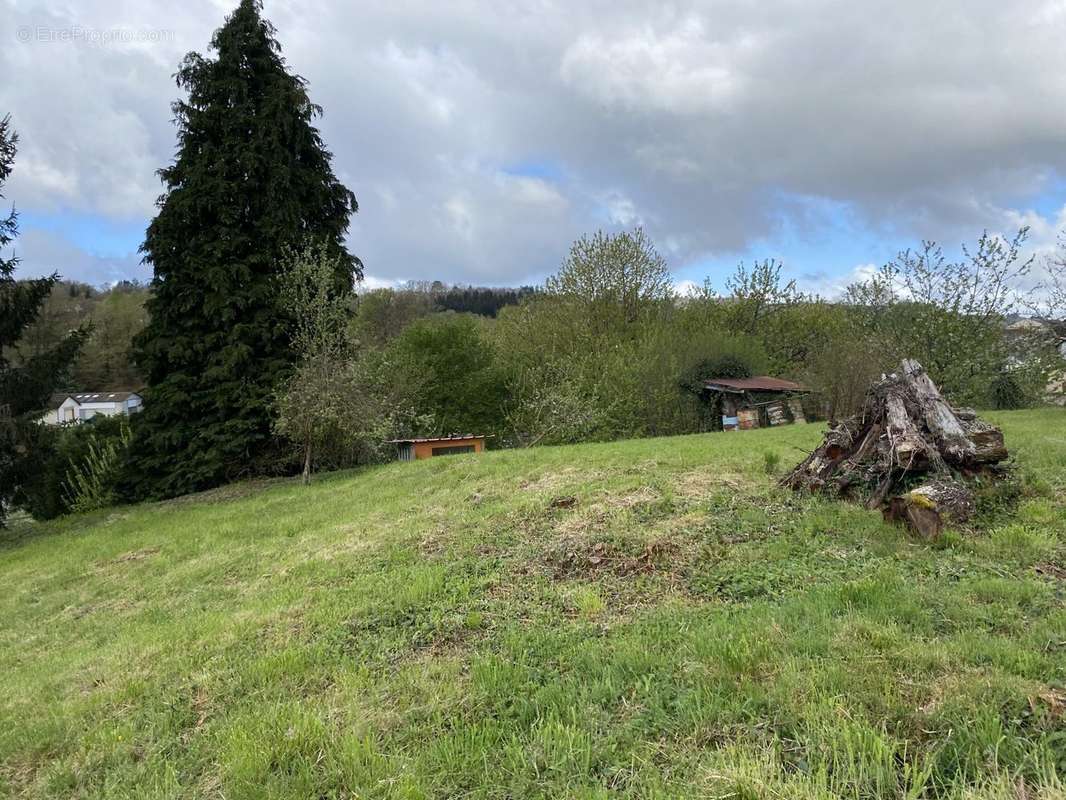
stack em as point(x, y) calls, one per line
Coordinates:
point(437, 629)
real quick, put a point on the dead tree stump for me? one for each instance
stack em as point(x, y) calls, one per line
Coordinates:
point(927, 508)
point(908, 452)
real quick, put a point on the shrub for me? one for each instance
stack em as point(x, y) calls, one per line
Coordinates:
point(453, 365)
point(842, 370)
point(1005, 391)
point(730, 365)
point(69, 450)
point(90, 484)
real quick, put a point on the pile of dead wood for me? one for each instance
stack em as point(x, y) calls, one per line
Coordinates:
point(909, 453)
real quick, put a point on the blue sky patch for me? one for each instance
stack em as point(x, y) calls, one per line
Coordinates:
point(544, 169)
point(94, 234)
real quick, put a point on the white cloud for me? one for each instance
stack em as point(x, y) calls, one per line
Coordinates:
point(370, 282)
point(540, 194)
point(692, 118)
point(461, 217)
point(683, 70)
point(687, 288)
point(832, 287)
point(43, 253)
point(621, 210)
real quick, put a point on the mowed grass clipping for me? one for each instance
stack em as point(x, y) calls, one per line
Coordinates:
point(638, 619)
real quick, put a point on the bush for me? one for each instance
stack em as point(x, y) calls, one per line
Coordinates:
point(94, 450)
point(842, 370)
point(453, 365)
point(353, 406)
point(730, 365)
point(1005, 391)
point(90, 484)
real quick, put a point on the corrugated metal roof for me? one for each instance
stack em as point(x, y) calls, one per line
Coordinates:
point(102, 397)
point(760, 383)
point(454, 438)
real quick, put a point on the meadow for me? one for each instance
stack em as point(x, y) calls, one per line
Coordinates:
point(647, 618)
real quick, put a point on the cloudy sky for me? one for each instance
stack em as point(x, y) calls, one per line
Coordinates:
point(481, 137)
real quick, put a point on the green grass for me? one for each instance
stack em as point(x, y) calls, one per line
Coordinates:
point(438, 629)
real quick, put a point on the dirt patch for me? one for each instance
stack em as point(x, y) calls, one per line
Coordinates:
point(1053, 699)
point(201, 706)
point(595, 516)
point(645, 495)
point(433, 543)
point(136, 555)
point(697, 484)
point(582, 558)
point(1050, 570)
point(691, 526)
point(355, 540)
point(932, 695)
point(555, 481)
point(133, 555)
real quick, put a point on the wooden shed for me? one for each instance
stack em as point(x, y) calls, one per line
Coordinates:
point(757, 402)
point(427, 447)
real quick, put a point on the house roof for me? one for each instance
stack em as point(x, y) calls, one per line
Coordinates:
point(56, 400)
point(103, 397)
point(1026, 324)
point(760, 383)
point(453, 438)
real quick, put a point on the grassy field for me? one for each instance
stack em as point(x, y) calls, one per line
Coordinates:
point(443, 629)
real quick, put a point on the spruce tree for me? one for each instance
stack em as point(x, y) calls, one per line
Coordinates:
point(25, 382)
point(251, 179)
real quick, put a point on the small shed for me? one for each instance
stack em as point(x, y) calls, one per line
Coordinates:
point(756, 402)
point(427, 447)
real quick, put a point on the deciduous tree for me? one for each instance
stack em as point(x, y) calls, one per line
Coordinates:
point(615, 280)
point(315, 401)
point(948, 314)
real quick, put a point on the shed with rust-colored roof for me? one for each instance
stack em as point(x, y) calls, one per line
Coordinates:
point(762, 383)
point(756, 402)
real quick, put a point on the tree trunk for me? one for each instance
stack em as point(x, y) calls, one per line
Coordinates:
point(931, 506)
point(939, 417)
point(307, 463)
point(905, 432)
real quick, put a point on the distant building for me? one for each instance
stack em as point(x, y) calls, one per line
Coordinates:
point(1023, 333)
point(1026, 334)
point(756, 402)
point(419, 448)
point(82, 406)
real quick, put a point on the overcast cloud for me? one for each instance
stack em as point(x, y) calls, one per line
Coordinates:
point(481, 137)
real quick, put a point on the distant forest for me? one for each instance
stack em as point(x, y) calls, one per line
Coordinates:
point(114, 315)
point(117, 314)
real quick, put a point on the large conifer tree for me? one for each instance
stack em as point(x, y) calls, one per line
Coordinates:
point(252, 177)
point(26, 383)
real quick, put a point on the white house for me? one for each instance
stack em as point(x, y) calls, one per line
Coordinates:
point(81, 406)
